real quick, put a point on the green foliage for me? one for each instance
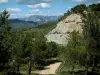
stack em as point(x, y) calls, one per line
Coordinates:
point(92, 35)
point(75, 47)
point(95, 7)
point(82, 9)
point(5, 39)
point(52, 50)
point(48, 25)
point(42, 29)
point(84, 49)
point(79, 9)
point(75, 52)
point(92, 31)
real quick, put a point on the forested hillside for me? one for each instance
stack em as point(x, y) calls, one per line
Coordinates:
point(81, 56)
point(81, 9)
point(24, 52)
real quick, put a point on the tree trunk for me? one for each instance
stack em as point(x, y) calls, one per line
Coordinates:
point(30, 66)
point(18, 71)
point(86, 69)
point(87, 64)
point(93, 64)
point(1, 68)
point(13, 67)
point(73, 67)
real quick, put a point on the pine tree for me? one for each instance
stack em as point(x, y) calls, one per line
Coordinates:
point(5, 39)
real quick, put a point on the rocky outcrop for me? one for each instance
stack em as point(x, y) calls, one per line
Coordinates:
point(60, 33)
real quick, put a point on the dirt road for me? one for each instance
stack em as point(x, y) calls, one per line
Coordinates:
point(49, 70)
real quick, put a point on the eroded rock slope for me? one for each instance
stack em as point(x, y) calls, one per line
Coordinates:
point(69, 24)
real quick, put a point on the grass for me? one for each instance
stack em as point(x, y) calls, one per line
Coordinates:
point(66, 70)
point(24, 70)
point(1, 73)
point(79, 70)
point(64, 73)
point(28, 74)
point(24, 67)
point(67, 67)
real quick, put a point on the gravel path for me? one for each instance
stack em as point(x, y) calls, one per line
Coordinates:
point(50, 70)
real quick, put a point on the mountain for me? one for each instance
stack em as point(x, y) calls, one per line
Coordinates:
point(31, 21)
point(19, 24)
point(41, 19)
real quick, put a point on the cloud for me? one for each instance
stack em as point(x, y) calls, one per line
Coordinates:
point(34, 11)
point(88, 2)
point(36, 3)
point(31, 2)
point(14, 10)
point(58, 14)
point(3, 1)
point(40, 5)
point(43, 13)
point(17, 15)
point(91, 2)
point(79, 0)
point(98, 1)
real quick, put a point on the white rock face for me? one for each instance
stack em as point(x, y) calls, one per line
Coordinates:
point(60, 33)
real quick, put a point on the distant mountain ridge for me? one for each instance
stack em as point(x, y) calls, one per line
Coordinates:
point(12, 21)
point(19, 24)
point(41, 19)
point(31, 21)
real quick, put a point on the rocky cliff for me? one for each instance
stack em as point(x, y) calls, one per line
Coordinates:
point(69, 24)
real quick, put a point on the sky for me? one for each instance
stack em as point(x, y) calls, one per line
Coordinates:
point(25, 8)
